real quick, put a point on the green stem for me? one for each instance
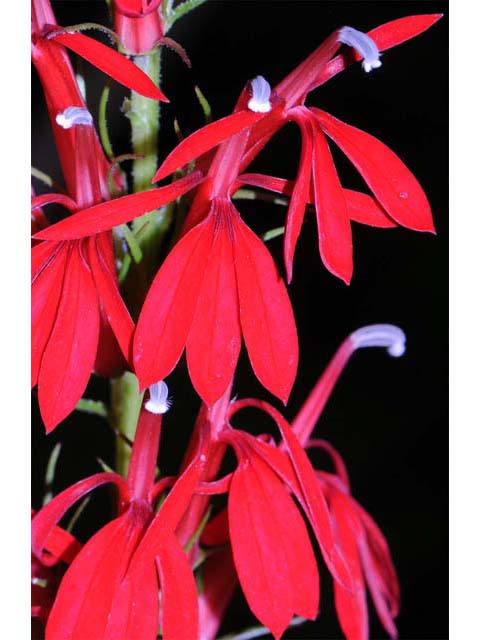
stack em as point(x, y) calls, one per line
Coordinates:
point(126, 403)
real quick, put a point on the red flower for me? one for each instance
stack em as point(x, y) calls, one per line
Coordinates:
point(399, 197)
point(271, 549)
point(111, 588)
point(51, 61)
point(138, 24)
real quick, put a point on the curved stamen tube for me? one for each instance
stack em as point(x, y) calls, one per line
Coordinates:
point(73, 116)
point(376, 335)
point(363, 44)
point(260, 100)
point(380, 335)
point(159, 401)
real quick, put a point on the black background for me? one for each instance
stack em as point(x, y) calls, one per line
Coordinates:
point(387, 417)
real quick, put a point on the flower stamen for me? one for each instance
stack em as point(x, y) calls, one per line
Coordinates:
point(260, 100)
point(74, 116)
point(363, 44)
point(159, 401)
point(380, 335)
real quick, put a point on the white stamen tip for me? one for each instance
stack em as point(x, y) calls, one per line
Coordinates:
point(363, 44)
point(159, 401)
point(380, 335)
point(260, 100)
point(73, 116)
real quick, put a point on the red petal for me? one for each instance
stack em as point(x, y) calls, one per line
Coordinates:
point(312, 498)
point(386, 36)
point(394, 186)
point(46, 292)
point(219, 581)
point(85, 599)
point(266, 316)
point(107, 287)
point(58, 198)
point(361, 207)
point(300, 195)
point(378, 563)
point(42, 255)
point(258, 553)
point(334, 232)
point(105, 216)
point(112, 63)
point(61, 545)
point(204, 139)
point(70, 353)
point(44, 522)
point(179, 591)
point(351, 606)
point(214, 340)
point(168, 310)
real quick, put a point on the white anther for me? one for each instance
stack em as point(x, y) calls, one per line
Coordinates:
point(260, 100)
point(73, 116)
point(363, 44)
point(380, 335)
point(159, 401)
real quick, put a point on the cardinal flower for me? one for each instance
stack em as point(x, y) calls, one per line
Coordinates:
point(111, 588)
point(138, 24)
point(272, 554)
point(49, 54)
point(399, 199)
point(219, 282)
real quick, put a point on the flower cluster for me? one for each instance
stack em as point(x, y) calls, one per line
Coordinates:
point(217, 287)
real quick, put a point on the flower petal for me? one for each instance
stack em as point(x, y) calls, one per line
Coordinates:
point(179, 591)
point(206, 138)
point(361, 207)
point(213, 344)
point(46, 292)
point(70, 352)
point(351, 606)
point(106, 215)
point(107, 287)
point(266, 315)
point(334, 231)
point(394, 186)
point(44, 522)
point(258, 550)
point(85, 598)
point(169, 307)
point(311, 497)
point(114, 64)
point(219, 581)
point(300, 195)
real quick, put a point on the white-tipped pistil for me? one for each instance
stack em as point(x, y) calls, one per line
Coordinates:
point(159, 401)
point(380, 335)
point(363, 44)
point(73, 116)
point(260, 100)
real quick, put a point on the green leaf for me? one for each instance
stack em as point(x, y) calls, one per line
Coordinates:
point(43, 177)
